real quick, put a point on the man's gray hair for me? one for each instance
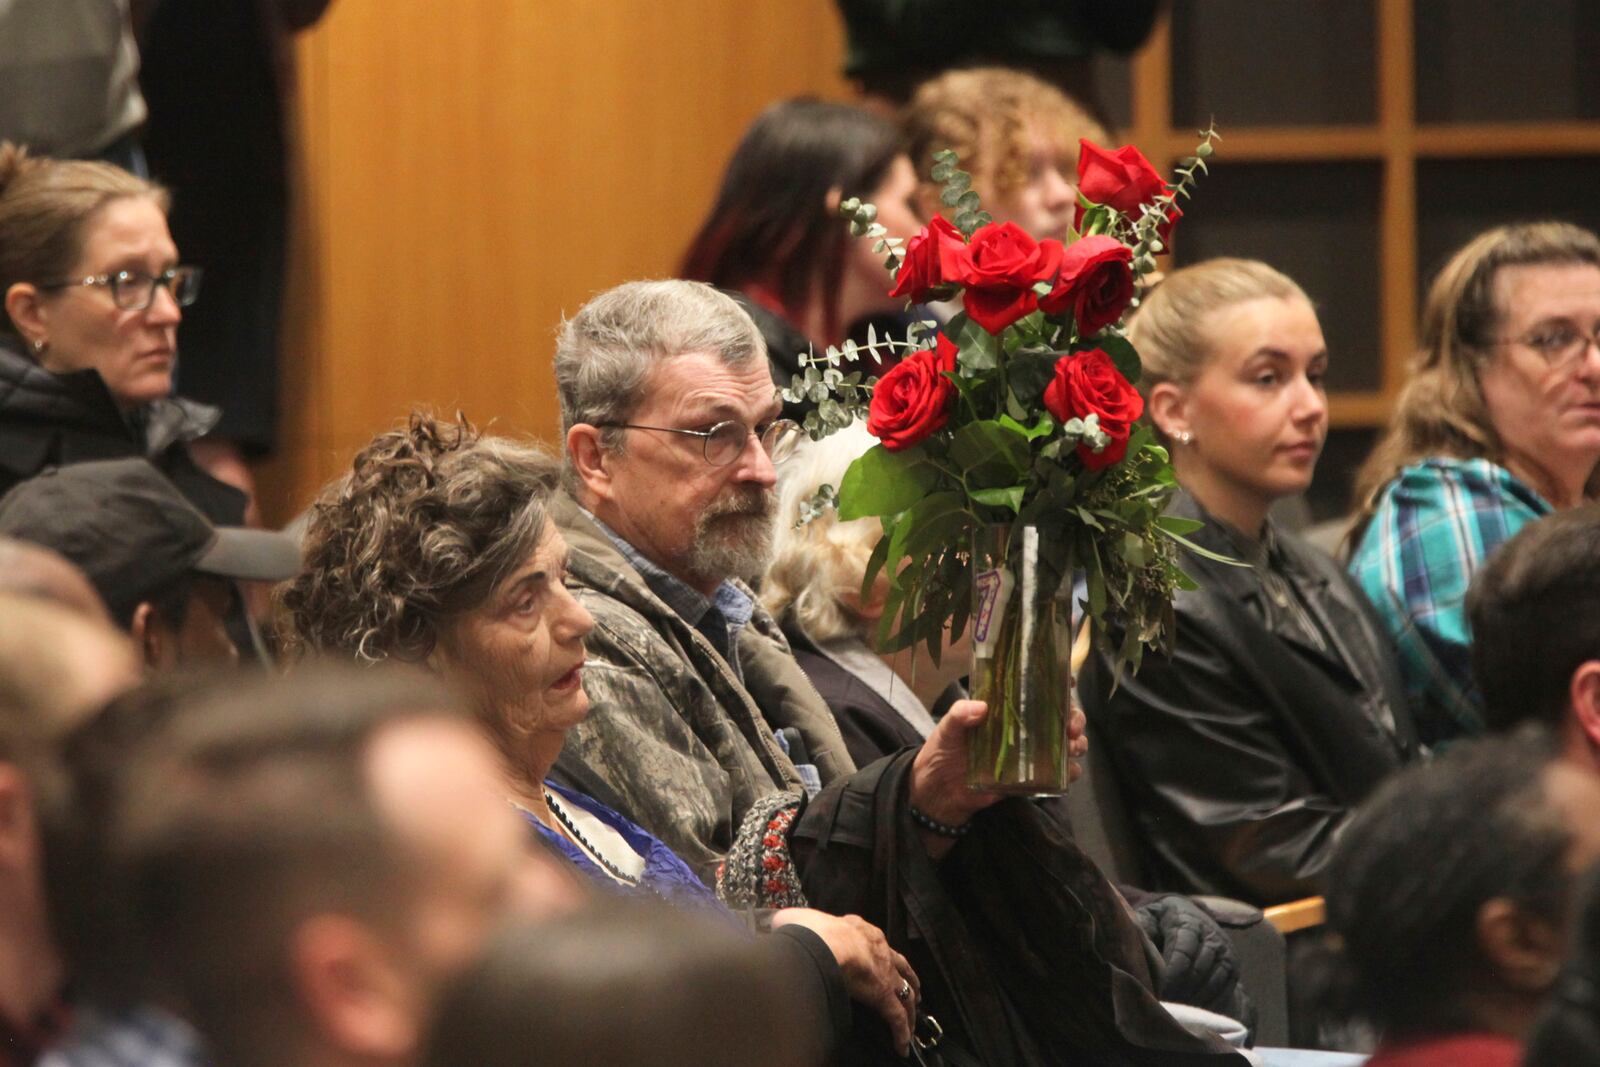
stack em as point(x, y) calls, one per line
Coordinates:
point(604, 353)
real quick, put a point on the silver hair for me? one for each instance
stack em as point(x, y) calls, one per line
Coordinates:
point(605, 352)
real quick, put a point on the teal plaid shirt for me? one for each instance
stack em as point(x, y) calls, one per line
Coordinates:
point(1435, 524)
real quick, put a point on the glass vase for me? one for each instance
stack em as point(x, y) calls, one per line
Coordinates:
point(1021, 661)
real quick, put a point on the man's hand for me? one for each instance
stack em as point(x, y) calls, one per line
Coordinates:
point(939, 772)
point(875, 974)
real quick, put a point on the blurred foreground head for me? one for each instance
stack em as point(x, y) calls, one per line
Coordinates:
point(1450, 890)
point(620, 987)
point(1535, 612)
point(315, 855)
point(55, 667)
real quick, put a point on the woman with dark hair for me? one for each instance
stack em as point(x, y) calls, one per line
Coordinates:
point(1499, 424)
point(774, 237)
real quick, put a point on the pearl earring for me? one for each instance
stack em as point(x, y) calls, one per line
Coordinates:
point(39, 345)
point(1183, 437)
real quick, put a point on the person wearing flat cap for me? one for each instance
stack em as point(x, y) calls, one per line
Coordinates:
point(165, 572)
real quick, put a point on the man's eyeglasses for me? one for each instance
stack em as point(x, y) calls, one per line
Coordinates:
point(723, 443)
point(134, 290)
point(1561, 346)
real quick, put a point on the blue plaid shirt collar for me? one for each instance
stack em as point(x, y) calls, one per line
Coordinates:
point(733, 605)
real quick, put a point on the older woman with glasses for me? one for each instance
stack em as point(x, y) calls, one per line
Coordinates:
point(88, 341)
point(1499, 424)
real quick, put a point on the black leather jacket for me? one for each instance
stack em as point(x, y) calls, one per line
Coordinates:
point(1241, 758)
point(52, 420)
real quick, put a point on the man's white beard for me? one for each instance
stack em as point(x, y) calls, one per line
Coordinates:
point(733, 537)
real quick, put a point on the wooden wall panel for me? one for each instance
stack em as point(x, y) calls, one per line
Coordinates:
point(474, 170)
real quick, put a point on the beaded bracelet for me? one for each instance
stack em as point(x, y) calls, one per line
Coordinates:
point(934, 826)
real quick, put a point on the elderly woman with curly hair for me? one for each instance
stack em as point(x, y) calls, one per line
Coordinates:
point(437, 549)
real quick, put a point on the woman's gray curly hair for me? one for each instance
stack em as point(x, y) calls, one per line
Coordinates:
point(423, 528)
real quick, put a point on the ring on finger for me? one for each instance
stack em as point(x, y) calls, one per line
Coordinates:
point(904, 992)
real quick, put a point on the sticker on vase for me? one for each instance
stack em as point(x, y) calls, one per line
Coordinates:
point(994, 592)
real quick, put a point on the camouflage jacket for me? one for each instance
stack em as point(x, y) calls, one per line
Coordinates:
point(673, 740)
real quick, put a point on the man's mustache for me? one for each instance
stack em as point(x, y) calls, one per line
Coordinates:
point(762, 503)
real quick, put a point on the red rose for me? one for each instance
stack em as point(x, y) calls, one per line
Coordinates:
point(1095, 284)
point(912, 400)
point(921, 270)
point(1121, 180)
point(1088, 383)
point(999, 269)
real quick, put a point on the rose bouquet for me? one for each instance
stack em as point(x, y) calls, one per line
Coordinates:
point(1009, 454)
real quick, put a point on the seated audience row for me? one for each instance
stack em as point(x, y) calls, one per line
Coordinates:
point(438, 549)
point(299, 867)
point(435, 550)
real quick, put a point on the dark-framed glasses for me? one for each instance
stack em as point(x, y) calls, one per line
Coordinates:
point(1562, 346)
point(723, 443)
point(134, 290)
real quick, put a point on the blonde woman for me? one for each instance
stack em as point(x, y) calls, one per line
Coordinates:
point(1244, 754)
point(813, 588)
point(1499, 424)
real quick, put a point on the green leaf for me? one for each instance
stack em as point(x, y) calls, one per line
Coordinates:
point(979, 348)
point(1133, 552)
point(1027, 374)
point(1007, 497)
point(1096, 219)
point(875, 562)
point(956, 188)
point(1177, 524)
point(989, 453)
point(1204, 553)
point(934, 522)
point(1123, 355)
point(1037, 430)
point(969, 222)
point(882, 482)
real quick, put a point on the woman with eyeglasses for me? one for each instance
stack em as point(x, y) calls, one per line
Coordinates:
point(1499, 424)
point(93, 290)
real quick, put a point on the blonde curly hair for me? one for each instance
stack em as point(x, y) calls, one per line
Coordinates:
point(816, 569)
point(988, 116)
